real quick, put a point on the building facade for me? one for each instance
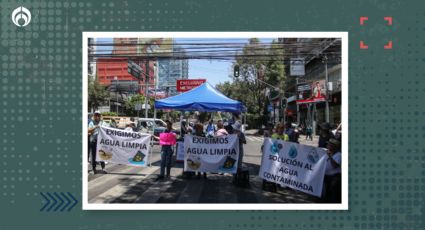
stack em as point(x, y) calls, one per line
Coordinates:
point(170, 70)
point(321, 81)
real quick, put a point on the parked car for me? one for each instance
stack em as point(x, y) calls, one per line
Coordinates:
point(145, 125)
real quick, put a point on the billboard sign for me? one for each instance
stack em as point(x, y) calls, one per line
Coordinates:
point(188, 84)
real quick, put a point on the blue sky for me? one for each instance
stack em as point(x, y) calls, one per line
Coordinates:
point(214, 71)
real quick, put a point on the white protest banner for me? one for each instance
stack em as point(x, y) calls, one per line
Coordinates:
point(300, 167)
point(123, 147)
point(180, 151)
point(211, 154)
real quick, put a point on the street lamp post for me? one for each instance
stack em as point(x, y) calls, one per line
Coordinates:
point(326, 88)
point(116, 91)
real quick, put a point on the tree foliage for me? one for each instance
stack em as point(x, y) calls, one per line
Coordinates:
point(130, 105)
point(249, 87)
point(97, 94)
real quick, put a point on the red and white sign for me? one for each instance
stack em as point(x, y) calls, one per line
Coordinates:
point(312, 100)
point(186, 85)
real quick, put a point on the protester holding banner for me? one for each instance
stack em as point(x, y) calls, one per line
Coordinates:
point(199, 131)
point(332, 180)
point(166, 139)
point(269, 133)
point(237, 128)
point(279, 134)
point(93, 131)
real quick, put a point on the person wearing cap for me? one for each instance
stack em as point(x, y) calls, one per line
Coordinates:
point(325, 135)
point(93, 131)
point(332, 180)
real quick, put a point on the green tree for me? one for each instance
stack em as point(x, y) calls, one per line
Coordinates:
point(258, 63)
point(130, 105)
point(97, 94)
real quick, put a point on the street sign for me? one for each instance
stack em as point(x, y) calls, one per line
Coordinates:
point(143, 106)
point(138, 106)
point(303, 87)
point(274, 95)
point(188, 84)
point(134, 69)
point(297, 67)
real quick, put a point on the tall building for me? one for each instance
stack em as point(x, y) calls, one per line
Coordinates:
point(170, 70)
point(125, 46)
point(92, 64)
point(111, 69)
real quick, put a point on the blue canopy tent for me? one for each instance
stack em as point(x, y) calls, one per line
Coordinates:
point(204, 98)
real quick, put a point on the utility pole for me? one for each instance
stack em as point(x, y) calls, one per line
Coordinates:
point(146, 88)
point(325, 58)
point(296, 96)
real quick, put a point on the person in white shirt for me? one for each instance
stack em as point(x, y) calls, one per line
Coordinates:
point(130, 126)
point(93, 130)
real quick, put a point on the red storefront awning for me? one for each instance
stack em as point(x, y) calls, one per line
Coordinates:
point(311, 100)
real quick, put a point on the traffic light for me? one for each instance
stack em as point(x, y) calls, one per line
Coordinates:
point(236, 71)
point(284, 103)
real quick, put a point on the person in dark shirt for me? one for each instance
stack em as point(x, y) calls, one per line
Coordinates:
point(324, 135)
point(183, 129)
point(199, 131)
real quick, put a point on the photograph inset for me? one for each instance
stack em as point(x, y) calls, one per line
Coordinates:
point(219, 120)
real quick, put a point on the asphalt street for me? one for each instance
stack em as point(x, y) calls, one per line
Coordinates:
point(126, 184)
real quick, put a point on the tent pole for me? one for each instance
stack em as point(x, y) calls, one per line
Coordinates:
point(244, 121)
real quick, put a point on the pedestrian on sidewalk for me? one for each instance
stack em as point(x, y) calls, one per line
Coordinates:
point(166, 139)
point(309, 133)
point(93, 130)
